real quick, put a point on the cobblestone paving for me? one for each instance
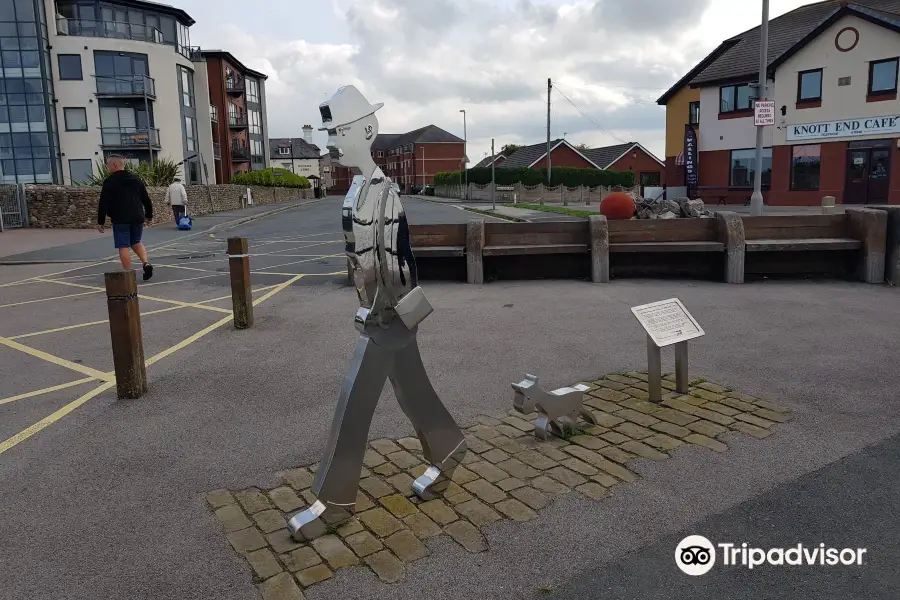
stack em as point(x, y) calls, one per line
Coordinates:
point(507, 474)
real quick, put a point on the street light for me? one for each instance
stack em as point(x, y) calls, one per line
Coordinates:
point(465, 150)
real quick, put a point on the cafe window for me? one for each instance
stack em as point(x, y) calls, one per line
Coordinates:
point(743, 167)
point(883, 76)
point(809, 85)
point(806, 162)
point(734, 98)
point(694, 113)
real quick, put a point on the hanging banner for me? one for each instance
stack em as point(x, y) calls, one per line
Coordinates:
point(691, 168)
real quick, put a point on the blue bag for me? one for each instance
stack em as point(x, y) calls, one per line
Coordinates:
point(185, 222)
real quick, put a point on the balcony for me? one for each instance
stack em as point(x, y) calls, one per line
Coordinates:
point(108, 29)
point(124, 86)
point(237, 120)
point(217, 151)
point(235, 85)
point(240, 154)
point(192, 53)
point(257, 158)
point(129, 138)
point(213, 113)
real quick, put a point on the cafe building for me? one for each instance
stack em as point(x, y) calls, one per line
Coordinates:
point(833, 73)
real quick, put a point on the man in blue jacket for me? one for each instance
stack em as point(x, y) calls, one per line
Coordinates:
point(125, 199)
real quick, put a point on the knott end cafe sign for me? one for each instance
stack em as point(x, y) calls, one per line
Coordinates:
point(849, 128)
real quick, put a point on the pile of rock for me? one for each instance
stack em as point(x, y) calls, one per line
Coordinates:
point(678, 208)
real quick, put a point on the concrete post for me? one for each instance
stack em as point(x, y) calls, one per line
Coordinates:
point(542, 189)
point(475, 251)
point(241, 296)
point(599, 233)
point(125, 333)
point(731, 233)
point(870, 226)
point(828, 207)
point(892, 254)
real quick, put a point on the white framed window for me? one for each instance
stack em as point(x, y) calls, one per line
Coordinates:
point(190, 133)
point(381, 154)
point(255, 121)
point(253, 91)
point(284, 151)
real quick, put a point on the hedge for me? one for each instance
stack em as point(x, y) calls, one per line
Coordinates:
point(271, 177)
point(570, 176)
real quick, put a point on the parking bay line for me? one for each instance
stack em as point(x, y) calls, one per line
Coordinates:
point(50, 358)
point(46, 390)
point(68, 408)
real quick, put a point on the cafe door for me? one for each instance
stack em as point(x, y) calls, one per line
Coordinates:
point(868, 174)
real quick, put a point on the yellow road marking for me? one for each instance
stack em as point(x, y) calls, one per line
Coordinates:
point(298, 262)
point(53, 418)
point(46, 299)
point(62, 362)
point(46, 390)
point(185, 304)
point(292, 274)
point(29, 279)
point(68, 408)
point(187, 268)
point(69, 283)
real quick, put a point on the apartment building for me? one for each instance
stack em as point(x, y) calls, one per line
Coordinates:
point(239, 127)
point(833, 73)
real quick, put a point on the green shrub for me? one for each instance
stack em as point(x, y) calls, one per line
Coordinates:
point(570, 176)
point(162, 173)
point(271, 177)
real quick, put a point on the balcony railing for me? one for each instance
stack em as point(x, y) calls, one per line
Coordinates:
point(129, 137)
point(237, 120)
point(217, 150)
point(123, 86)
point(240, 153)
point(109, 29)
point(191, 53)
point(213, 113)
point(235, 85)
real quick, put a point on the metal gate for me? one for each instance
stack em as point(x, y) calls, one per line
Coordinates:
point(12, 213)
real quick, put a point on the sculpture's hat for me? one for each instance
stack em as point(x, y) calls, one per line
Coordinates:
point(346, 106)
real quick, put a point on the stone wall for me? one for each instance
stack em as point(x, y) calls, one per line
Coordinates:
point(75, 207)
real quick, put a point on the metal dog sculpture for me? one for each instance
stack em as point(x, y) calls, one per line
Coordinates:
point(558, 411)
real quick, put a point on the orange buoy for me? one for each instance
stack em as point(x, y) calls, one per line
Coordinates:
point(617, 206)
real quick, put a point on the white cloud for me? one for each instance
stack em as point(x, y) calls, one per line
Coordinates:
point(427, 59)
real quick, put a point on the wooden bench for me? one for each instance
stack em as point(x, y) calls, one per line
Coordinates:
point(438, 240)
point(552, 237)
point(665, 235)
point(859, 229)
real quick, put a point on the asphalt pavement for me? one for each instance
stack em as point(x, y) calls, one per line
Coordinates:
point(107, 500)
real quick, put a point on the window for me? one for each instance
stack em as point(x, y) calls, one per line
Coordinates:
point(284, 151)
point(76, 119)
point(883, 76)
point(255, 120)
point(190, 133)
point(806, 162)
point(694, 113)
point(743, 167)
point(187, 87)
point(380, 154)
point(121, 72)
point(651, 179)
point(80, 169)
point(734, 98)
point(69, 66)
point(256, 150)
point(809, 85)
point(253, 91)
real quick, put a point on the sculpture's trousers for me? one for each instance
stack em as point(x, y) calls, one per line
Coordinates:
point(337, 479)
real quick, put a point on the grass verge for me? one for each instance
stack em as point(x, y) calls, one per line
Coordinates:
point(495, 215)
point(561, 210)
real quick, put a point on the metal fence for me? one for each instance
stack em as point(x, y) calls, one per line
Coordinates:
point(13, 213)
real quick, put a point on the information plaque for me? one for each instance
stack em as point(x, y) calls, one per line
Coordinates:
point(667, 322)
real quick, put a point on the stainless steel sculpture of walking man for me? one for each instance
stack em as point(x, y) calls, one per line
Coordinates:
point(391, 307)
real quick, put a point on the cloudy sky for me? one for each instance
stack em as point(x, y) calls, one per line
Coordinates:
point(427, 59)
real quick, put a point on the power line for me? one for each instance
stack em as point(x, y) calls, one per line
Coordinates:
point(589, 118)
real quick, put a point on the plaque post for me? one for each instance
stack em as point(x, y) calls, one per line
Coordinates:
point(681, 367)
point(654, 370)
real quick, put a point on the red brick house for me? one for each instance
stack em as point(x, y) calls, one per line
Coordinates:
point(648, 170)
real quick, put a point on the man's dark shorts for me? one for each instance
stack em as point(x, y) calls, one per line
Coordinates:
point(126, 235)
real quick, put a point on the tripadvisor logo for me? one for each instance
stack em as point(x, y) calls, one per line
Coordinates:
point(696, 555)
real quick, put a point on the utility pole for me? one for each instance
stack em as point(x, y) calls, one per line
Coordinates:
point(756, 199)
point(549, 89)
point(465, 150)
point(493, 180)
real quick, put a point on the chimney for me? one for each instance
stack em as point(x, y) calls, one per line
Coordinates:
point(307, 134)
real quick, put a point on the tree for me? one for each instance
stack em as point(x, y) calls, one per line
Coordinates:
point(508, 149)
point(582, 147)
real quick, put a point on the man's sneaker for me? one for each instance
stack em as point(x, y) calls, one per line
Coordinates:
point(148, 271)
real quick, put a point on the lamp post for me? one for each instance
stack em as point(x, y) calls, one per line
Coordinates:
point(465, 149)
point(756, 199)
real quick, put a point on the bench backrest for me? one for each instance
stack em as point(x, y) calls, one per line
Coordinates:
point(663, 230)
point(789, 227)
point(536, 234)
point(429, 236)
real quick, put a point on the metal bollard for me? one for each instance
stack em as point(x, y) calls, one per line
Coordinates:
point(125, 332)
point(241, 296)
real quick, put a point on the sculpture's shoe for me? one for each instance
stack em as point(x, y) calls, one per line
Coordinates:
point(315, 520)
point(423, 486)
